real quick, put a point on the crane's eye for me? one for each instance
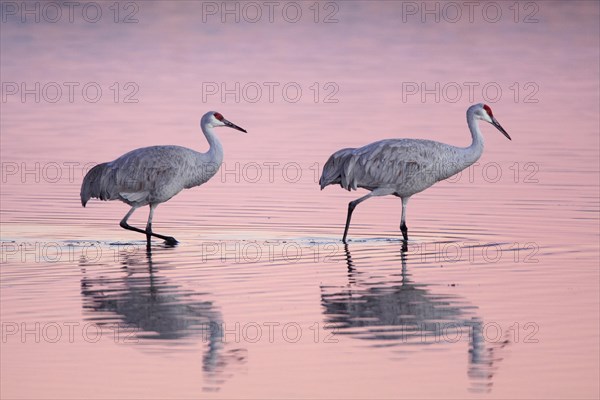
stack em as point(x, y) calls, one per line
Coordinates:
point(218, 116)
point(488, 110)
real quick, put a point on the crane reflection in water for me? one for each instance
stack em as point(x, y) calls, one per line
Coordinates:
point(395, 311)
point(150, 310)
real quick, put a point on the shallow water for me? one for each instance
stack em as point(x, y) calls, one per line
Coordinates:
point(495, 295)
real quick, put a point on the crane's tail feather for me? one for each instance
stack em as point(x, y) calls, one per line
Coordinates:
point(336, 169)
point(99, 183)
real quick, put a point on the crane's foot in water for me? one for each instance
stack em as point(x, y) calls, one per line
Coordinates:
point(171, 241)
point(404, 246)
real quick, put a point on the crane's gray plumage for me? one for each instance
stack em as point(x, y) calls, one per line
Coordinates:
point(400, 164)
point(148, 175)
point(403, 167)
point(153, 175)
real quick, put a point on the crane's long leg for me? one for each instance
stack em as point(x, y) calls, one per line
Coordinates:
point(148, 232)
point(403, 227)
point(351, 206)
point(149, 226)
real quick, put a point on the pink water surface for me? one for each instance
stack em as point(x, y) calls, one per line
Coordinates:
point(511, 244)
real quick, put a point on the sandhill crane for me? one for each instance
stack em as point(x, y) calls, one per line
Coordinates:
point(152, 175)
point(403, 167)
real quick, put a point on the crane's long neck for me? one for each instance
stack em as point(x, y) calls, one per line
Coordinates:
point(462, 157)
point(474, 151)
point(215, 152)
point(205, 165)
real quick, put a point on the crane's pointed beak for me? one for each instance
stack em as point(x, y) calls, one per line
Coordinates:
point(500, 128)
point(232, 125)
